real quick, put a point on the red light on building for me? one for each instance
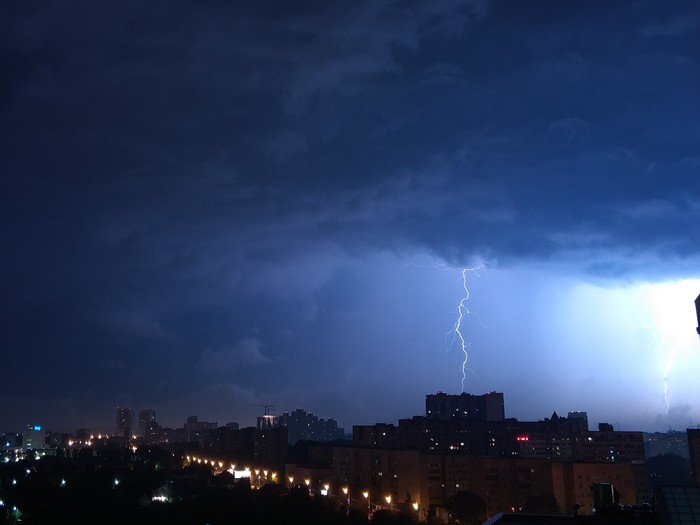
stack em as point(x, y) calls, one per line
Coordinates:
point(522, 438)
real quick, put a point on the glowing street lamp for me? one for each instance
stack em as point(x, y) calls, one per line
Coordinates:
point(291, 481)
point(415, 506)
point(366, 495)
point(327, 487)
point(388, 501)
point(346, 492)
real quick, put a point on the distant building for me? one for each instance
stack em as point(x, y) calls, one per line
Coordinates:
point(12, 441)
point(267, 422)
point(82, 435)
point(464, 443)
point(34, 438)
point(671, 442)
point(124, 423)
point(302, 425)
point(146, 417)
point(578, 415)
point(425, 482)
point(694, 451)
point(197, 430)
point(486, 407)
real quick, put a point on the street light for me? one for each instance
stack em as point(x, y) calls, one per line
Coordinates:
point(366, 495)
point(388, 501)
point(346, 492)
point(291, 481)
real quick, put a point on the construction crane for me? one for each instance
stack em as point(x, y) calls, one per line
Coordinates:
point(268, 408)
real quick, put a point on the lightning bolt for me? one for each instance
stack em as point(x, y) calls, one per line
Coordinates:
point(667, 369)
point(670, 337)
point(462, 311)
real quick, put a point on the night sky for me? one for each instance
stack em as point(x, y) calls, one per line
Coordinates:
point(208, 206)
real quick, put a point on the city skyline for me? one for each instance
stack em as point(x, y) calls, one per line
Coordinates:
point(131, 418)
point(208, 208)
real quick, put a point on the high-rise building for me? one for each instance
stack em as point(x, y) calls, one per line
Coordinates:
point(124, 420)
point(34, 438)
point(146, 417)
point(486, 407)
point(197, 430)
point(694, 451)
point(304, 425)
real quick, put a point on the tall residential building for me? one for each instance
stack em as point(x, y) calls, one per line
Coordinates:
point(304, 425)
point(486, 407)
point(694, 450)
point(197, 430)
point(124, 420)
point(671, 442)
point(34, 438)
point(146, 417)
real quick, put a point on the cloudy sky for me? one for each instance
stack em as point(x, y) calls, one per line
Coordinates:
point(211, 206)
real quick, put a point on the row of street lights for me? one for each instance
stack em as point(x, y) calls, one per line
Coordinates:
point(346, 493)
point(268, 476)
point(262, 476)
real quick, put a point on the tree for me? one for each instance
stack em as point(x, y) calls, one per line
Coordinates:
point(465, 508)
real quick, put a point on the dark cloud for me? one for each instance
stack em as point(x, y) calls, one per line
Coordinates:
point(206, 187)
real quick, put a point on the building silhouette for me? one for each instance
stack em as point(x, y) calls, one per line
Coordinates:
point(34, 438)
point(302, 425)
point(486, 407)
point(124, 423)
point(671, 442)
point(463, 443)
point(147, 416)
point(694, 452)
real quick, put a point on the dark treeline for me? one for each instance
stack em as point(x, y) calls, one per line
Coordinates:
point(118, 487)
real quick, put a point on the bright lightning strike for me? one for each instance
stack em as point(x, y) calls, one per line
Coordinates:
point(672, 337)
point(663, 342)
point(462, 311)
